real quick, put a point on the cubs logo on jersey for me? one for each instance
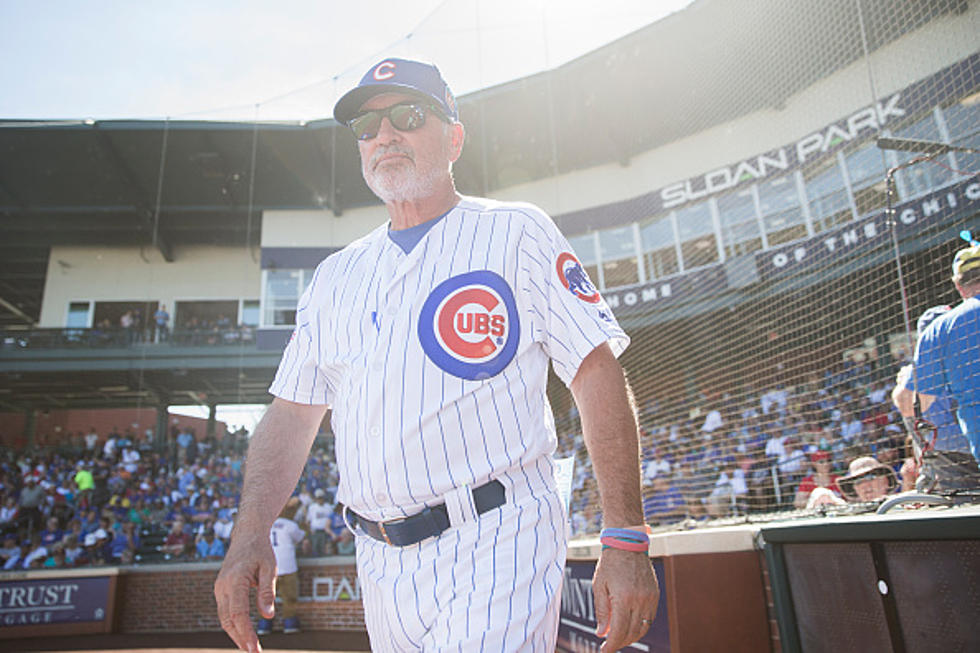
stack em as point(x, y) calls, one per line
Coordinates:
point(468, 325)
point(573, 277)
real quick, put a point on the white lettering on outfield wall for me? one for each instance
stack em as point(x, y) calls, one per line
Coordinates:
point(327, 589)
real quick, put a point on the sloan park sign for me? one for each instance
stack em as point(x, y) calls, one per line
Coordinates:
point(956, 81)
point(862, 123)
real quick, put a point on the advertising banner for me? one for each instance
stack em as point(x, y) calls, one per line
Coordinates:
point(54, 601)
point(576, 627)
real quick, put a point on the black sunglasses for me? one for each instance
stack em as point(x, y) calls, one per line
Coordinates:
point(405, 117)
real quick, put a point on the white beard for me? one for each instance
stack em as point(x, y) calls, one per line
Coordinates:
point(402, 180)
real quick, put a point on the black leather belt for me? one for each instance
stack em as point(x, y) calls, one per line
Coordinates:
point(431, 521)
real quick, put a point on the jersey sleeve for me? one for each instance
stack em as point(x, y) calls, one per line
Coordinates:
point(568, 316)
point(299, 378)
point(929, 374)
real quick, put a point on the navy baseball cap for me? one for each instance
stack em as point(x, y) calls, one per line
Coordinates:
point(398, 76)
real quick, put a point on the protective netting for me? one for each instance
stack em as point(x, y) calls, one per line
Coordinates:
point(770, 299)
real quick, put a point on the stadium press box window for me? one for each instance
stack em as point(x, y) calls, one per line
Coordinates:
point(659, 247)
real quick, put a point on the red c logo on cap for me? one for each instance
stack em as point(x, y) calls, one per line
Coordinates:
point(385, 70)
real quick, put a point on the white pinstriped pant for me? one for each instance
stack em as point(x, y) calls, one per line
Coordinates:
point(492, 583)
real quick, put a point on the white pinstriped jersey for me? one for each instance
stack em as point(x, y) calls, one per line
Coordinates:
point(435, 362)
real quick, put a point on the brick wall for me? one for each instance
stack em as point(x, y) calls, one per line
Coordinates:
point(180, 597)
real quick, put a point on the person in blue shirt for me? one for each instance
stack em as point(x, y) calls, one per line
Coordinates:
point(124, 538)
point(666, 504)
point(947, 356)
point(210, 547)
point(52, 534)
point(939, 410)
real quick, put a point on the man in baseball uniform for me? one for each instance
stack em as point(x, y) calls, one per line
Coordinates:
point(430, 338)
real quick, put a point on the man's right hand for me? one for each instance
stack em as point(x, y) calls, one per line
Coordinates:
point(249, 563)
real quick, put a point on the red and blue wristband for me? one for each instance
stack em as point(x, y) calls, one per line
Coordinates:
point(625, 539)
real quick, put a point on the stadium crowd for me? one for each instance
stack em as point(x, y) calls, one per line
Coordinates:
point(118, 499)
point(761, 452)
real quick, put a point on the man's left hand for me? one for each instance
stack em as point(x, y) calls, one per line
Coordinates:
point(626, 595)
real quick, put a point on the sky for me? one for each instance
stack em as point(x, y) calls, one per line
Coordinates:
point(276, 60)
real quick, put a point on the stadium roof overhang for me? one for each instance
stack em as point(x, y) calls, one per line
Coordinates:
point(116, 378)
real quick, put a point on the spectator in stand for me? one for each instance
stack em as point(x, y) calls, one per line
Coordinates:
point(201, 511)
point(110, 446)
point(37, 553)
point(15, 559)
point(791, 467)
point(9, 550)
point(52, 532)
point(128, 325)
point(178, 542)
point(821, 477)
point(338, 526)
point(774, 400)
point(318, 516)
point(655, 466)
point(31, 498)
point(224, 524)
point(94, 549)
point(729, 487)
point(84, 482)
point(91, 442)
point(946, 355)
point(890, 451)
point(878, 393)
point(89, 521)
point(665, 504)
point(693, 485)
point(186, 447)
point(57, 559)
point(851, 427)
point(73, 550)
point(867, 480)
point(209, 546)
point(130, 458)
point(162, 321)
point(9, 514)
point(345, 543)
